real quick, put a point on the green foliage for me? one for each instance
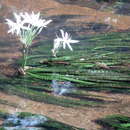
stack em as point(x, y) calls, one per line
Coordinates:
point(84, 68)
point(48, 76)
point(100, 48)
point(117, 122)
point(24, 114)
point(2, 128)
point(52, 125)
point(3, 115)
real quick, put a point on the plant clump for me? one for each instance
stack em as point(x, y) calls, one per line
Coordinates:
point(26, 27)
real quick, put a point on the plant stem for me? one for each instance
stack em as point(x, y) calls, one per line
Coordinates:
point(25, 55)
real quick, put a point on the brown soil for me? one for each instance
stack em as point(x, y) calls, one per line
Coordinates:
point(83, 117)
point(51, 8)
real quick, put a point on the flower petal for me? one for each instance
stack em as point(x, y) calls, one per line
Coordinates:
point(62, 33)
point(74, 41)
point(46, 22)
point(70, 46)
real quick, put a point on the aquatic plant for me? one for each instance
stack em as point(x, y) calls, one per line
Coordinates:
point(26, 27)
point(64, 41)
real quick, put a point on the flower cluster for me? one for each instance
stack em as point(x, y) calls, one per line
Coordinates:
point(62, 41)
point(27, 26)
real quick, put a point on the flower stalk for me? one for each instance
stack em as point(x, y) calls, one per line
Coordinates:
point(25, 56)
point(26, 27)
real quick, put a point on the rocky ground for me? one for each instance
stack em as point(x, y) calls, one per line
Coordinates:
point(83, 117)
point(81, 18)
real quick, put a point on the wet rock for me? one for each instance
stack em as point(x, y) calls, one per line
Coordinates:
point(83, 3)
point(23, 128)
point(62, 88)
point(9, 70)
point(30, 121)
point(35, 120)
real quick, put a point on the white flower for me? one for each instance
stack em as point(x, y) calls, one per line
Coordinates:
point(25, 21)
point(82, 59)
point(27, 26)
point(15, 27)
point(35, 20)
point(107, 20)
point(64, 41)
point(57, 45)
